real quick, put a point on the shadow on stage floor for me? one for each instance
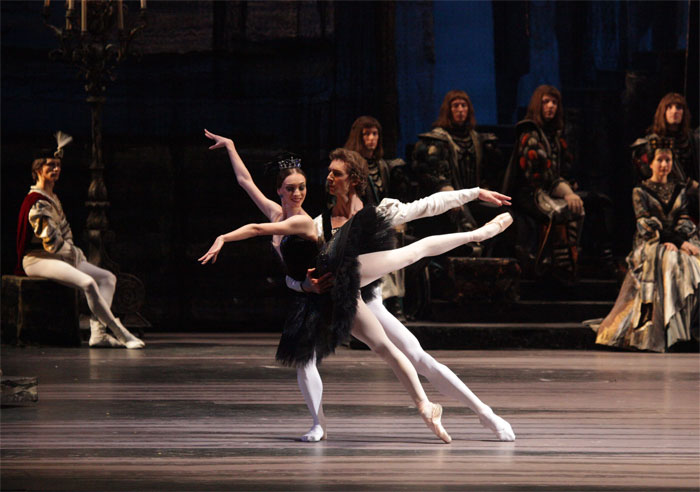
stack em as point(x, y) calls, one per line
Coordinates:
point(215, 412)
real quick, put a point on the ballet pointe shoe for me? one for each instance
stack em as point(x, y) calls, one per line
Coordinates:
point(499, 426)
point(125, 336)
point(432, 415)
point(315, 434)
point(99, 338)
point(503, 221)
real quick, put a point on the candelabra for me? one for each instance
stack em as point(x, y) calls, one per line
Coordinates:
point(95, 43)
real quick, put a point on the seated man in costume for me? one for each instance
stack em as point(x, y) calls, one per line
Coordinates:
point(550, 211)
point(452, 156)
point(45, 249)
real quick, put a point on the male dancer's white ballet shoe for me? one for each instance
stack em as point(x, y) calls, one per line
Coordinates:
point(315, 434)
point(432, 415)
point(125, 336)
point(502, 429)
point(99, 338)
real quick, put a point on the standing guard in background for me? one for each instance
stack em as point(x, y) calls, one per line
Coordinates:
point(387, 179)
point(453, 155)
point(672, 123)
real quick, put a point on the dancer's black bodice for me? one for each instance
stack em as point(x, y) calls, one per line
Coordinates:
point(316, 324)
point(299, 255)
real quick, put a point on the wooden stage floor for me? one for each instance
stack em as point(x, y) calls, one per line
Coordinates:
point(214, 412)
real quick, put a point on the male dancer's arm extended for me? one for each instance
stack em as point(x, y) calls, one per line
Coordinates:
point(400, 213)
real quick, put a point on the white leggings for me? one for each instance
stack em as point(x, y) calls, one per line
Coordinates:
point(97, 283)
point(384, 334)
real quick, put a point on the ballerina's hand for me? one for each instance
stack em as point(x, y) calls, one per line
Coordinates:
point(213, 252)
point(219, 141)
point(493, 197)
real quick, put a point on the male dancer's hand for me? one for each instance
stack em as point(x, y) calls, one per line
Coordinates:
point(493, 197)
point(317, 285)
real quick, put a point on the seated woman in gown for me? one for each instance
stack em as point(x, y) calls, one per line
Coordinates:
point(658, 303)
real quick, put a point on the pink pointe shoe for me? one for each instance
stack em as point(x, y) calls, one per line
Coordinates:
point(432, 415)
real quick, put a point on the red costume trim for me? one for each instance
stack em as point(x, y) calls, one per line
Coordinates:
point(24, 229)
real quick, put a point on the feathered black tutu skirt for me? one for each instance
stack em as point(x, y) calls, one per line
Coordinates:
point(317, 324)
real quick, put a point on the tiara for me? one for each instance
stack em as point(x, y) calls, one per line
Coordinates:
point(289, 162)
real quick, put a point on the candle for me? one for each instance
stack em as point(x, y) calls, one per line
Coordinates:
point(69, 13)
point(143, 4)
point(83, 16)
point(120, 15)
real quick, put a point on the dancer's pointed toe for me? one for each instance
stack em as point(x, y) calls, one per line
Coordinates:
point(499, 426)
point(432, 416)
point(503, 220)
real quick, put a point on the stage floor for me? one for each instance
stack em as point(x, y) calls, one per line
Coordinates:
point(214, 412)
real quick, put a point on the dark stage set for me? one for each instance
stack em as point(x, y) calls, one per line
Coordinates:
point(205, 406)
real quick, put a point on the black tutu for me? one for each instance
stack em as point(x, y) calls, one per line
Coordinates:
point(317, 324)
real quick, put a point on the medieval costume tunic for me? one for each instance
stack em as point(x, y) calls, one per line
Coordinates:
point(43, 231)
point(540, 163)
point(658, 303)
point(318, 323)
point(460, 158)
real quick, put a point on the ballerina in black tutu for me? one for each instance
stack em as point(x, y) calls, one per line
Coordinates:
point(357, 256)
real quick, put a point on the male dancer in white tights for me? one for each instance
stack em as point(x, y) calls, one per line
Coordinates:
point(45, 249)
point(346, 182)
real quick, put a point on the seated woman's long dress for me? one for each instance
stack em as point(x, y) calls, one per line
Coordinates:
point(317, 324)
point(658, 303)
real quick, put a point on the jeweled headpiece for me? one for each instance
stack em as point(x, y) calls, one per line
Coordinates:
point(656, 142)
point(286, 160)
point(289, 162)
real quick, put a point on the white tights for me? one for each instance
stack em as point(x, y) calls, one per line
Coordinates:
point(386, 336)
point(96, 283)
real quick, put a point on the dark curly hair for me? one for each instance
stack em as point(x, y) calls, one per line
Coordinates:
point(356, 167)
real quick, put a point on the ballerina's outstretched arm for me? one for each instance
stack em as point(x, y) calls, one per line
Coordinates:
point(270, 208)
point(300, 225)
